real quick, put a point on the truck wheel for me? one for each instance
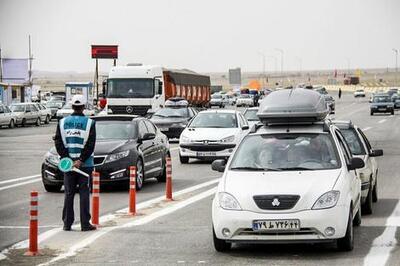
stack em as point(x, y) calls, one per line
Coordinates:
point(220, 245)
point(12, 123)
point(346, 243)
point(367, 206)
point(183, 159)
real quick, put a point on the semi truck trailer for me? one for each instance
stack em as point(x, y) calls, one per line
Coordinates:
point(140, 90)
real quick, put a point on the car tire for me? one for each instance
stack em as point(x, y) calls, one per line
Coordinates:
point(220, 245)
point(346, 243)
point(163, 176)
point(47, 120)
point(183, 159)
point(139, 174)
point(357, 218)
point(12, 124)
point(375, 190)
point(23, 123)
point(38, 122)
point(367, 206)
point(372, 113)
point(52, 188)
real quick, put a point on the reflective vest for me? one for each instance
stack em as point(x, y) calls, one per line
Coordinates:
point(75, 133)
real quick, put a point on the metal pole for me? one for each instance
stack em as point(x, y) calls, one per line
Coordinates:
point(1, 67)
point(396, 52)
point(30, 62)
point(96, 81)
point(280, 51)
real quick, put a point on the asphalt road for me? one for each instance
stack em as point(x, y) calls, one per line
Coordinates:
point(183, 236)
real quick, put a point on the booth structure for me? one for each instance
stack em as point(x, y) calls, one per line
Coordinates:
point(13, 93)
point(82, 88)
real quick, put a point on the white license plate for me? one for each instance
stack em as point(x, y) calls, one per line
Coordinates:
point(206, 153)
point(164, 129)
point(382, 109)
point(274, 225)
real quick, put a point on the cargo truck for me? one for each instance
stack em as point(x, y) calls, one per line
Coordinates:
point(140, 90)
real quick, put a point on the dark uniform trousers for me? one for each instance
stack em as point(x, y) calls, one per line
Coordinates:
point(71, 180)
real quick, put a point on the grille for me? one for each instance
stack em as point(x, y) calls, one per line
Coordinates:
point(208, 147)
point(137, 109)
point(98, 160)
point(302, 231)
point(276, 202)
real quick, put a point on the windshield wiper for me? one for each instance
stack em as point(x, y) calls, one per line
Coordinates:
point(297, 169)
point(159, 115)
point(249, 168)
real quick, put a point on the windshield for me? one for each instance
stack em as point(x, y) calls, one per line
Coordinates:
point(214, 120)
point(353, 141)
point(251, 115)
point(216, 96)
point(381, 99)
point(115, 130)
point(171, 112)
point(54, 104)
point(130, 88)
point(278, 152)
point(17, 108)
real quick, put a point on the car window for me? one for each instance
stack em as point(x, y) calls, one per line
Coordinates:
point(243, 121)
point(171, 112)
point(150, 127)
point(251, 115)
point(365, 139)
point(214, 120)
point(34, 108)
point(1, 110)
point(142, 128)
point(6, 109)
point(115, 130)
point(353, 141)
point(28, 108)
point(344, 147)
point(18, 108)
point(289, 151)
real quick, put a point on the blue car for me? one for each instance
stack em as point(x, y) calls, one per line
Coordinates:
point(382, 103)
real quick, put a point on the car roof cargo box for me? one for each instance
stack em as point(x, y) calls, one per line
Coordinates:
point(293, 106)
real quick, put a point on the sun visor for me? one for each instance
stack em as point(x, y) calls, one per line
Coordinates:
point(293, 106)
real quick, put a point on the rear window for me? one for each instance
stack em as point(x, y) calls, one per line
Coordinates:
point(353, 141)
point(115, 130)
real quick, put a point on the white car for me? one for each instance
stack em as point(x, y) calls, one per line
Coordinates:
point(359, 93)
point(245, 100)
point(7, 118)
point(45, 113)
point(288, 184)
point(212, 134)
point(66, 110)
point(361, 148)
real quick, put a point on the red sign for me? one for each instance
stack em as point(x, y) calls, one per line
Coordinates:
point(105, 51)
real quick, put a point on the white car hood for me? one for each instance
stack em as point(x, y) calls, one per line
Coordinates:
point(309, 185)
point(199, 134)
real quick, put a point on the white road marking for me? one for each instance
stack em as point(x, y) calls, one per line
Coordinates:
point(18, 179)
point(20, 184)
point(383, 245)
point(26, 227)
point(366, 129)
point(382, 121)
point(141, 221)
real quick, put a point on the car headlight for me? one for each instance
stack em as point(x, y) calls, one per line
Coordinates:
point(184, 139)
point(116, 156)
point(327, 200)
point(228, 139)
point(53, 158)
point(228, 202)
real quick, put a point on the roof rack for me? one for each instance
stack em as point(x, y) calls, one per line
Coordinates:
point(293, 106)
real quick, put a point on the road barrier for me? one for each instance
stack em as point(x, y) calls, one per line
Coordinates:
point(95, 198)
point(168, 184)
point(132, 190)
point(33, 225)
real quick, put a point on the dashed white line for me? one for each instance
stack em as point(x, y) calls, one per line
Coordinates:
point(20, 184)
point(366, 129)
point(382, 121)
point(26, 227)
point(18, 179)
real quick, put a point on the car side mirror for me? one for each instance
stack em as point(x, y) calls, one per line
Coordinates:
point(376, 153)
point(218, 165)
point(356, 163)
point(245, 127)
point(27, 111)
point(148, 136)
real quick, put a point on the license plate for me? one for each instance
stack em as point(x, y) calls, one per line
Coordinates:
point(164, 129)
point(276, 225)
point(382, 109)
point(206, 153)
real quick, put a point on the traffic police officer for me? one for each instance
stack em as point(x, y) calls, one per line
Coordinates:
point(75, 138)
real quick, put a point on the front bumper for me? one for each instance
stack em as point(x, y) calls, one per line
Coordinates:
point(382, 109)
point(206, 151)
point(312, 225)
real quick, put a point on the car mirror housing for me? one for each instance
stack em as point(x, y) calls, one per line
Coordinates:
point(148, 136)
point(356, 163)
point(245, 127)
point(376, 153)
point(218, 165)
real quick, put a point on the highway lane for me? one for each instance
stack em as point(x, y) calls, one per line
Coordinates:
point(184, 237)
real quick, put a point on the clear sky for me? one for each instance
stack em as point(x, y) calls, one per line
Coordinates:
point(204, 35)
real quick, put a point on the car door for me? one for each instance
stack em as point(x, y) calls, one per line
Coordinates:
point(3, 119)
point(352, 174)
point(145, 147)
point(372, 161)
point(35, 113)
point(28, 113)
point(156, 149)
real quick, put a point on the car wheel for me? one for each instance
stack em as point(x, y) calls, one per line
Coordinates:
point(12, 124)
point(139, 174)
point(47, 120)
point(372, 113)
point(38, 123)
point(346, 243)
point(375, 190)
point(219, 244)
point(23, 123)
point(163, 176)
point(52, 188)
point(357, 218)
point(183, 159)
point(367, 206)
